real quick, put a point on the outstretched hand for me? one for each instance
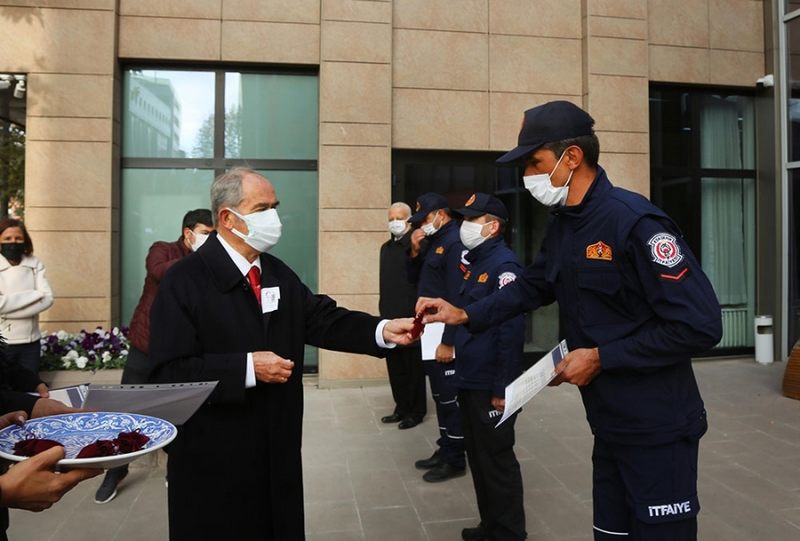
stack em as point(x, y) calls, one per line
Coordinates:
point(440, 310)
point(398, 331)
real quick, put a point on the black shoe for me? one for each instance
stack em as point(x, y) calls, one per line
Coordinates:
point(107, 490)
point(393, 418)
point(428, 463)
point(473, 534)
point(443, 472)
point(409, 422)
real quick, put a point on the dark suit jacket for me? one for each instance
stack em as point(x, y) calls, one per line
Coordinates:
point(235, 469)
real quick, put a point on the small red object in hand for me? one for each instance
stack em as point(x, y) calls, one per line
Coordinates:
point(33, 446)
point(416, 330)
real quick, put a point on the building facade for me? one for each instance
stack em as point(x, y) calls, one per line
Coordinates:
point(132, 106)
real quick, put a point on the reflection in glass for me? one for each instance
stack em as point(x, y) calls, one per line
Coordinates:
point(794, 257)
point(703, 160)
point(271, 116)
point(168, 114)
point(671, 126)
point(728, 253)
point(297, 193)
point(728, 212)
point(676, 196)
point(153, 204)
point(793, 71)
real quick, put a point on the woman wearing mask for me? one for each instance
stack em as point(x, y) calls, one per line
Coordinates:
point(24, 294)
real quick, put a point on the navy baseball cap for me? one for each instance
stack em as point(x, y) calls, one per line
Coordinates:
point(427, 203)
point(548, 123)
point(482, 203)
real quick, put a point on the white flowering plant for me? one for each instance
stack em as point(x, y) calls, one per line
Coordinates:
point(87, 350)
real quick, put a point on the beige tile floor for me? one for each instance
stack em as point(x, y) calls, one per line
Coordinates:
point(361, 484)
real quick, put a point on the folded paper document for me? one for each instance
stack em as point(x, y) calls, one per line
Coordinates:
point(69, 396)
point(430, 340)
point(174, 402)
point(533, 380)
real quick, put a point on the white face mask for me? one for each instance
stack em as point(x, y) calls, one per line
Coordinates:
point(264, 229)
point(199, 240)
point(471, 234)
point(398, 227)
point(542, 188)
point(429, 229)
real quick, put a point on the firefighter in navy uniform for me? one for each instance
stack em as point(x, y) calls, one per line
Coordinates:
point(436, 265)
point(634, 306)
point(486, 362)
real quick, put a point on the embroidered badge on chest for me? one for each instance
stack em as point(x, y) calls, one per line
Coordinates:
point(665, 250)
point(505, 279)
point(483, 278)
point(440, 250)
point(599, 250)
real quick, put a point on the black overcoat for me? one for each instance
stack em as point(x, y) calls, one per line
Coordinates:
point(235, 469)
point(398, 294)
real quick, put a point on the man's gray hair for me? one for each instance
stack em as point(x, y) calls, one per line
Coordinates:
point(226, 190)
point(401, 205)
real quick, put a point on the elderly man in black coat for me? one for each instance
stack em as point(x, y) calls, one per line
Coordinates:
point(398, 296)
point(230, 312)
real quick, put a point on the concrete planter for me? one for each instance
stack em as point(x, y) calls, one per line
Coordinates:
point(66, 378)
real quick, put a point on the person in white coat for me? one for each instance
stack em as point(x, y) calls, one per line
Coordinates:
point(24, 294)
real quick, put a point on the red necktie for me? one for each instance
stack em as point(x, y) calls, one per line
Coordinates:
point(254, 277)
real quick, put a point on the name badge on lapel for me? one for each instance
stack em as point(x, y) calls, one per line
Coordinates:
point(269, 299)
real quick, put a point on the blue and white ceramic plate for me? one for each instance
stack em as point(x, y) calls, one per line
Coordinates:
point(76, 430)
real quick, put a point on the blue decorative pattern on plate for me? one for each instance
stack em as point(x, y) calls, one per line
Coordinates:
point(76, 430)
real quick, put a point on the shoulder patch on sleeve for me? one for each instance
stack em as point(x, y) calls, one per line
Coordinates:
point(665, 249)
point(505, 279)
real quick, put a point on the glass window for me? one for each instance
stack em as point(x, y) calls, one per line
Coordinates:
point(710, 192)
point(671, 115)
point(793, 71)
point(278, 124)
point(794, 257)
point(168, 114)
point(13, 112)
point(174, 145)
point(297, 193)
point(153, 204)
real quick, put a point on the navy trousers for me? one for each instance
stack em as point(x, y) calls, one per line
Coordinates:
point(448, 414)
